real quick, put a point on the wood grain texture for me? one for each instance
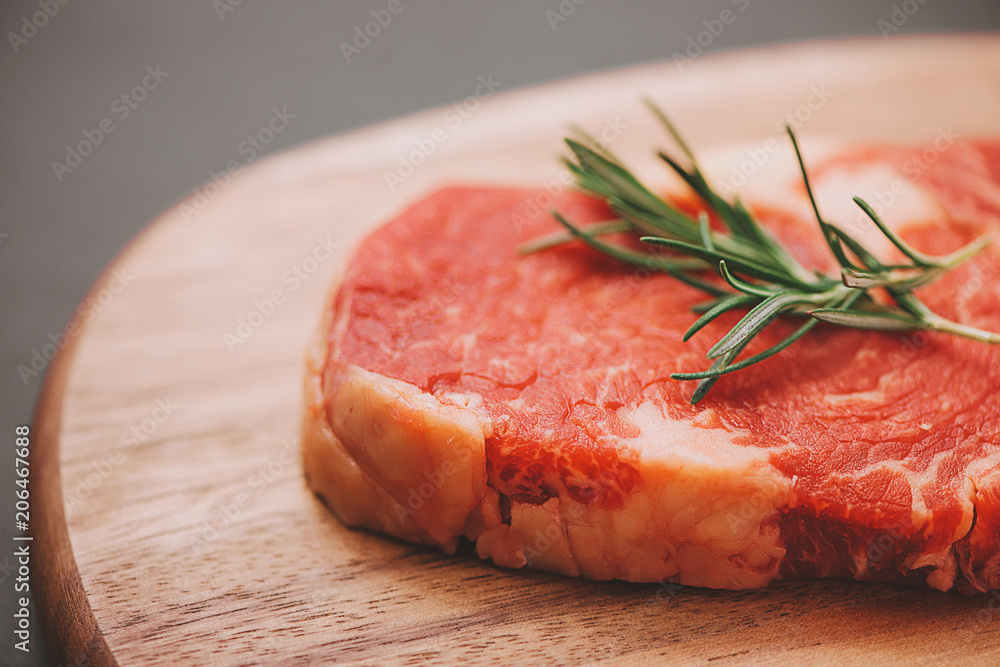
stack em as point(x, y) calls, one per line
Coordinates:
point(171, 457)
point(71, 629)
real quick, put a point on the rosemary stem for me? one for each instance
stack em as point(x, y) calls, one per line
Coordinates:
point(757, 271)
point(938, 323)
point(935, 322)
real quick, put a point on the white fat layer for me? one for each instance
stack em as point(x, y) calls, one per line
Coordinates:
point(427, 456)
point(705, 507)
point(672, 441)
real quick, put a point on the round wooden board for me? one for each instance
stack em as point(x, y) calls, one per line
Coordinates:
point(166, 453)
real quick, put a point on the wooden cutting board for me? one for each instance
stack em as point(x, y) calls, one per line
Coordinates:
point(175, 525)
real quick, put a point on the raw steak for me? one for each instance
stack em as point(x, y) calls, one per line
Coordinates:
point(457, 391)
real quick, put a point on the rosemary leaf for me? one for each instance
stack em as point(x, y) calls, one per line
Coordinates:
point(724, 305)
point(758, 318)
point(743, 266)
point(742, 285)
point(863, 319)
point(552, 240)
point(757, 271)
point(624, 254)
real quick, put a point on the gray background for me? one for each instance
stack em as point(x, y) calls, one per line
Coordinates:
point(227, 70)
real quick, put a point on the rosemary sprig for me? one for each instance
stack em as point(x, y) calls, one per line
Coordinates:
point(756, 271)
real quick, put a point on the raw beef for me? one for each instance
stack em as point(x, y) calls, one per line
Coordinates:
point(458, 391)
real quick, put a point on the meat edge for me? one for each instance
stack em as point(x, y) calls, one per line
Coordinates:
point(388, 457)
point(352, 470)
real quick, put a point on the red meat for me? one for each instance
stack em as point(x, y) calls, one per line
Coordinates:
point(457, 390)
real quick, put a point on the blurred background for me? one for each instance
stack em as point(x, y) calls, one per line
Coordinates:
point(162, 95)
